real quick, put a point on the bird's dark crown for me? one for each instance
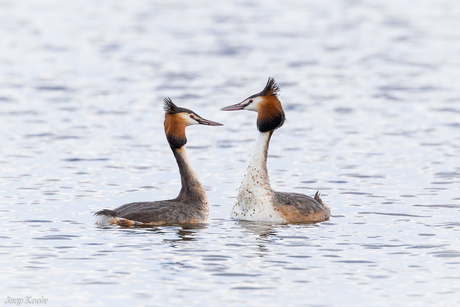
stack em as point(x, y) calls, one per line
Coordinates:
point(271, 89)
point(170, 108)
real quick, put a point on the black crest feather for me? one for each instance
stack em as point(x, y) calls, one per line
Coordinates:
point(169, 106)
point(271, 88)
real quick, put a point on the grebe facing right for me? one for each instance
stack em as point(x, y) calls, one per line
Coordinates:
point(256, 199)
point(191, 205)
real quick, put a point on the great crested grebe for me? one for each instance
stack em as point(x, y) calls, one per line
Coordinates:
point(256, 199)
point(191, 205)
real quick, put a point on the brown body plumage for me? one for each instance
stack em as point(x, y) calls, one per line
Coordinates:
point(191, 205)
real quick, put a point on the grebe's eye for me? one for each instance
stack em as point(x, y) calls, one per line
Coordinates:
point(250, 101)
point(191, 116)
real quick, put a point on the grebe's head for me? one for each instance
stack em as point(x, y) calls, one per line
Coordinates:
point(177, 118)
point(266, 104)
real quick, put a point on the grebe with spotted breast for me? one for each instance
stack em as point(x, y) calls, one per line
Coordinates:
point(191, 205)
point(256, 199)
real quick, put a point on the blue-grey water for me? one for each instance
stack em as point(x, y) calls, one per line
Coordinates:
point(372, 99)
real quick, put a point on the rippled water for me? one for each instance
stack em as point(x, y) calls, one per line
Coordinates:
point(371, 95)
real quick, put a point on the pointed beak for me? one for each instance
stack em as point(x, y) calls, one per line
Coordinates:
point(234, 107)
point(206, 122)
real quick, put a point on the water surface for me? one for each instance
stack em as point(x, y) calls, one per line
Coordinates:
point(371, 95)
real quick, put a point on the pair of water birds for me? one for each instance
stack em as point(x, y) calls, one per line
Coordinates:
point(256, 199)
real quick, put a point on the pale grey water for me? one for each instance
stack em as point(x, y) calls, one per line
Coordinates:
point(372, 98)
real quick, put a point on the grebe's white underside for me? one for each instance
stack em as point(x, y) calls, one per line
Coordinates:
point(257, 213)
point(255, 202)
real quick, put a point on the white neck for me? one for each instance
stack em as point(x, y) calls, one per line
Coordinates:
point(257, 173)
point(256, 197)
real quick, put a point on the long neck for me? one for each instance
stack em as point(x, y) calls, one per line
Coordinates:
point(257, 173)
point(191, 186)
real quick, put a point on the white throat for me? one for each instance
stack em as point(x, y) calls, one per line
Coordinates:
point(255, 196)
point(256, 173)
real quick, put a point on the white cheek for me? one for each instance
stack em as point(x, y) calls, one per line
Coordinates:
point(254, 106)
point(188, 120)
point(251, 107)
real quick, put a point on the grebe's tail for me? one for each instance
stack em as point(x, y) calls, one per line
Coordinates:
point(317, 198)
point(109, 217)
